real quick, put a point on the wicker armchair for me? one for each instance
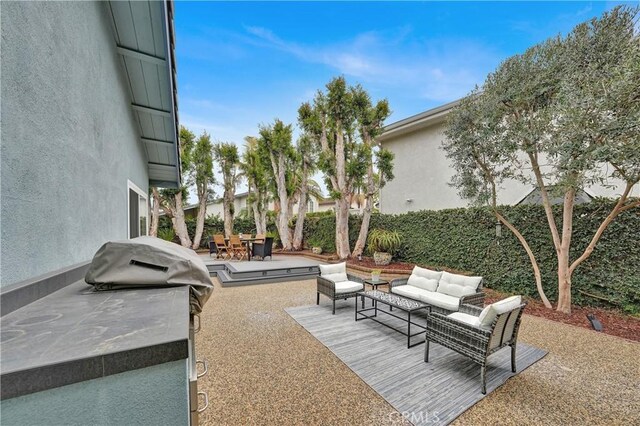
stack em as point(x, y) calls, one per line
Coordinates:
point(473, 340)
point(328, 288)
point(264, 249)
point(476, 299)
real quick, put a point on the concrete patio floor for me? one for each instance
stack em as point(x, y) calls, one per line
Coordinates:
point(266, 369)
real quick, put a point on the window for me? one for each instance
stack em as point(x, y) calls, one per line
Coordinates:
point(138, 211)
point(310, 206)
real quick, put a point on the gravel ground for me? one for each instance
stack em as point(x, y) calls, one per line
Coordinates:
point(265, 369)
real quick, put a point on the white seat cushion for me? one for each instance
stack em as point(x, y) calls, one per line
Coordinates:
point(458, 285)
point(440, 300)
point(490, 312)
point(336, 273)
point(425, 279)
point(466, 318)
point(348, 287)
point(408, 291)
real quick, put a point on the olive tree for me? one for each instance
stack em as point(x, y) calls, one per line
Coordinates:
point(562, 116)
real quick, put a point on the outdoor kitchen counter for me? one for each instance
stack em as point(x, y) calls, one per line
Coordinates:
point(78, 334)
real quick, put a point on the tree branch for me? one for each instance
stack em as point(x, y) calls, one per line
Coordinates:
point(617, 209)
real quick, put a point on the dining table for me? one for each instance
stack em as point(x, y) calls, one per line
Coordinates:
point(247, 242)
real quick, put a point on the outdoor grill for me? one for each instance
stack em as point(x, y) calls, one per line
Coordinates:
point(149, 262)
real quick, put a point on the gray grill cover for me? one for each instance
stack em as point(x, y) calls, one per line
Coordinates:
point(150, 262)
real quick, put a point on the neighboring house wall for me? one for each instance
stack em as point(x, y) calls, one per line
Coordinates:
point(240, 203)
point(422, 175)
point(69, 139)
point(217, 208)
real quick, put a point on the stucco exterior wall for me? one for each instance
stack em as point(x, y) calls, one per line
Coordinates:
point(422, 175)
point(69, 139)
point(136, 397)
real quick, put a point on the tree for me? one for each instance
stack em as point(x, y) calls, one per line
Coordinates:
point(369, 124)
point(202, 178)
point(172, 200)
point(276, 146)
point(306, 164)
point(256, 172)
point(226, 154)
point(155, 211)
point(561, 116)
point(333, 120)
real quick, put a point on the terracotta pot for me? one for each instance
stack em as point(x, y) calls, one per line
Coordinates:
point(381, 258)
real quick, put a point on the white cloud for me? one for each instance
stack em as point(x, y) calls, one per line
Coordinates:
point(438, 69)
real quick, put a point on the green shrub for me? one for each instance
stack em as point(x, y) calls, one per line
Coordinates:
point(167, 234)
point(465, 239)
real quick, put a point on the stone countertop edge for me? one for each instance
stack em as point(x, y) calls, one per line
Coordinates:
point(37, 379)
point(83, 334)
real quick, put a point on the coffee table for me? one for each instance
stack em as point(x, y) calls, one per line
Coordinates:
point(393, 301)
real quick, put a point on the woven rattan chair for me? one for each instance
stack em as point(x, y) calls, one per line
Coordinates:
point(221, 247)
point(336, 284)
point(263, 250)
point(463, 333)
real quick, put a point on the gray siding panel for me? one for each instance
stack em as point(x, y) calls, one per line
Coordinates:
point(126, 34)
point(136, 75)
point(144, 34)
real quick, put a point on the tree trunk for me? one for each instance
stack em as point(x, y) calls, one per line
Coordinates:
point(564, 273)
point(155, 212)
point(283, 214)
point(259, 217)
point(228, 213)
point(366, 214)
point(364, 227)
point(302, 212)
point(202, 212)
point(532, 258)
point(620, 207)
point(179, 223)
point(342, 228)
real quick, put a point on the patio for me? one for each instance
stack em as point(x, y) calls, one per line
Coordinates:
point(265, 368)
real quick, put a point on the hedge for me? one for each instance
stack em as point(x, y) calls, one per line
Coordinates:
point(465, 239)
point(215, 225)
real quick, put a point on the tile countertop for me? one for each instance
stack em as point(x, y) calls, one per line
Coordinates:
point(78, 334)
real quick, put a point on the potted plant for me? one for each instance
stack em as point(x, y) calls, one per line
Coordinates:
point(375, 274)
point(315, 246)
point(384, 244)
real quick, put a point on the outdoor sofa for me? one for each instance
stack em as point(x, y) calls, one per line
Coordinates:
point(444, 291)
point(335, 283)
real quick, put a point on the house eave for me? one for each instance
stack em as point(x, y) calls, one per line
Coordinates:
point(416, 122)
point(145, 43)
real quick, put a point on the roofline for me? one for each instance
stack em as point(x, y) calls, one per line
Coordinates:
point(415, 122)
point(171, 48)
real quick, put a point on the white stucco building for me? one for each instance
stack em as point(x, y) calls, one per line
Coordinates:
point(422, 171)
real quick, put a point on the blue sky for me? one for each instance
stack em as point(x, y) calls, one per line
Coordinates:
point(245, 63)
